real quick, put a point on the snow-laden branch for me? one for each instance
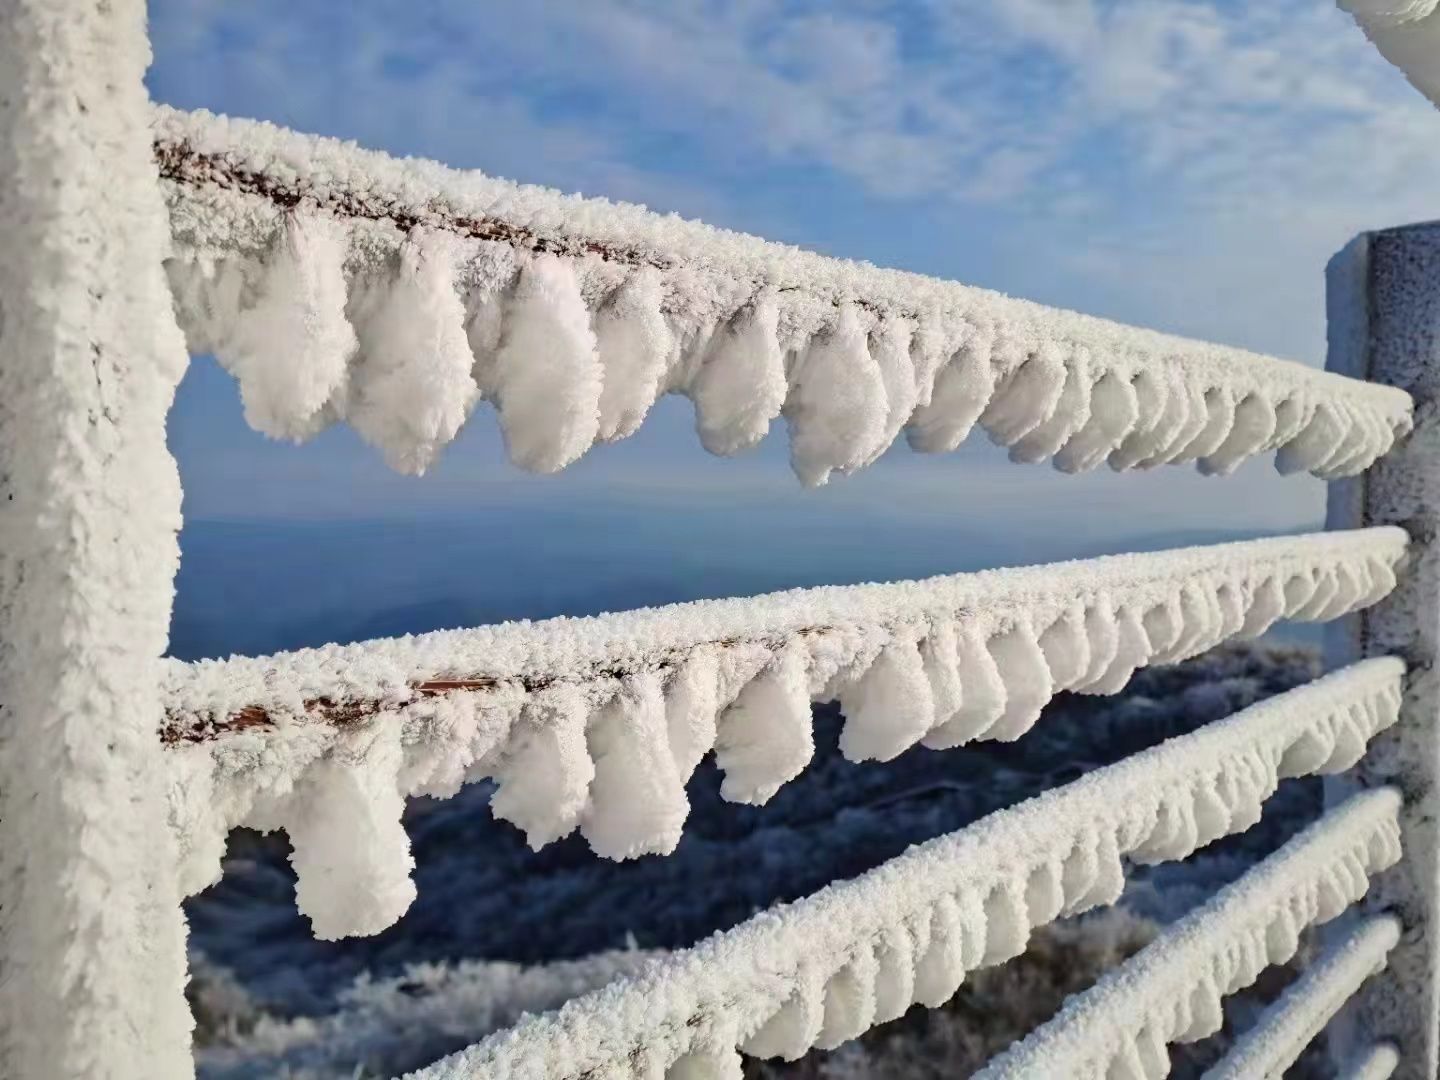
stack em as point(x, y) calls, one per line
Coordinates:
point(1377, 1063)
point(1171, 991)
point(342, 284)
point(1407, 33)
point(598, 723)
point(1288, 1026)
point(826, 968)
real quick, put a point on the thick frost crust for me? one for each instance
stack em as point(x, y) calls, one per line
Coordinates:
point(1288, 1026)
point(860, 952)
point(580, 312)
point(598, 723)
point(1171, 990)
point(1379, 1062)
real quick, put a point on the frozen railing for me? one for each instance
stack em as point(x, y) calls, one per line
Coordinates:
point(338, 284)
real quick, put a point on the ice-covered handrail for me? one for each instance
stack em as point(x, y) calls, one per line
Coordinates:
point(339, 283)
point(597, 723)
point(1288, 1026)
point(1171, 990)
point(826, 968)
point(1377, 1063)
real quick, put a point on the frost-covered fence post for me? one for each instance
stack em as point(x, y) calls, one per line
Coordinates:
point(1384, 314)
point(92, 960)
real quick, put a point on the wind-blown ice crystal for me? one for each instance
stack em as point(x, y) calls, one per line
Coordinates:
point(579, 313)
point(1171, 990)
point(596, 724)
point(860, 952)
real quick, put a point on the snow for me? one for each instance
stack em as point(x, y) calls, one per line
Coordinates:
point(598, 307)
point(1171, 991)
point(1377, 1063)
point(1407, 33)
point(811, 972)
point(597, 723)
point(92, 938)
point(1270, 1047)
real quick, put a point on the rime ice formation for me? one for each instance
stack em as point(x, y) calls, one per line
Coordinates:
point(859, 952)
point(1407, 33)
point(580, 312)
point(92, 938)
point(1291, 1023)
point(1171, 990)
point(596, 723)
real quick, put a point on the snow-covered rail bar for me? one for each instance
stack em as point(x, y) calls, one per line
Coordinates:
point(1171, 990)
point(598, 723)
point(338, 283)
point(826, 968)
point(1266, 1050)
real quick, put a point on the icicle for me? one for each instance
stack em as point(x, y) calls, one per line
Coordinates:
point(350, 852)
point(1102, 641)
point(1313, 444)
point(1066, 648)
point(1113, 413)
point(895, 974)
point(637, 799)
point(1027, 399)
point(836, 407)
point(1078, 875)
point(1253, 426)
point(1027, 681)
point(983, 695)
point(765, 737)
point(1267, 603)
point(633, 342)
point(890, 349)
point(1185, 423)
point(1072, 412)
point(941, 969)
point(691, 707)
point(890, 707)
point(1109, 880)
point(962, 390)
point(412, 388)
point(1132, 650)
point(792, 1031)
point(1007, 925)
point(1219, 419)
point(292, 350)
point(741, 385)
point(547, 379)
point(939, 654)
point(545, 776)
point(1153, 410)
point(717, 1064)
point(849, 1000)
point(1045, 893)
point(1212, 816)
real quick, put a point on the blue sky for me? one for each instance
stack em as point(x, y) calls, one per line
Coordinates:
point(1185, 165)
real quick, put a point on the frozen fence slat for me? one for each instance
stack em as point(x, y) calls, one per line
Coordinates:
point(597, 723)
point(914, 926)
point(579, 313)
point(1171, 990)
point(1292, 1022)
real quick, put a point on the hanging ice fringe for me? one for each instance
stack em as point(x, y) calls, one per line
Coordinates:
point(291, 350)
point(695, 311)
point(740, 388)
point(547, 379)
point(825, 968)
point(599, 723)
point(837, 407)
point(411, 388)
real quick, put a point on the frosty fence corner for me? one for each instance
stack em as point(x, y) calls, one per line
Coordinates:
point(338, 284)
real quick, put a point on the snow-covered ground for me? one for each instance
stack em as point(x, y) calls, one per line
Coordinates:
point(499, 929)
